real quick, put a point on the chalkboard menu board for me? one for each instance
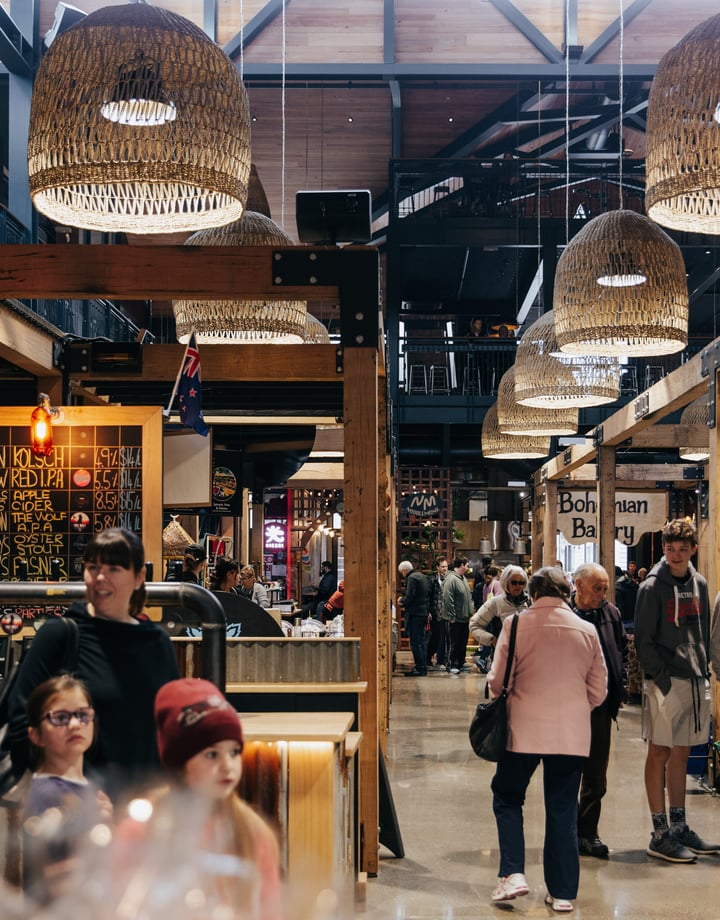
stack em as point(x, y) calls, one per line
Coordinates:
point(105, 471)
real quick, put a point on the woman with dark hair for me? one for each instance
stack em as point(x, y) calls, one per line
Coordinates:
point(225, 575)
point(123, 658)
point(558, 676)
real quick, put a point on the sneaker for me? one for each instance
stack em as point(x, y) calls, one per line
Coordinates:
point(667, 846)
point(593, 846)
point(689, 839)
point(482, 666)
point(454, 670)
point(511, 887)
point(560, 905)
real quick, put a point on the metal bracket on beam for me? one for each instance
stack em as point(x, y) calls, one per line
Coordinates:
point(339, 361)
point(641, 406)
point(354, 271)
point(709, 365)
point(693, 472)
point(598, 436)
point(567, 457)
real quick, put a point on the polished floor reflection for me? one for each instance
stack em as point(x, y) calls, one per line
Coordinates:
point(441, 793)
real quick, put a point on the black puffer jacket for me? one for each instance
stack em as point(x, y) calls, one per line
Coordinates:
point(613, 639)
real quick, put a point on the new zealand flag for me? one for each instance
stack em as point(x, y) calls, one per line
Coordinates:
point(189, 396)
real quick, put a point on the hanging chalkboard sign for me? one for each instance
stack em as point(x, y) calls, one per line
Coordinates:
point(105, 470)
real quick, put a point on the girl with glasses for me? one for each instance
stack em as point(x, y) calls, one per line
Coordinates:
point(62, 805)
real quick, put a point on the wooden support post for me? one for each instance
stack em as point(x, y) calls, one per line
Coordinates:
point(360, 525)
point(549, 548)
point(605, 521)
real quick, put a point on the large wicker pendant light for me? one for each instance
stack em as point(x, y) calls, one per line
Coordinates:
point(138, 123)
point(695, 415)
point(516, 419)
point(499, 446)
point(225, 321)
point(683, 134)
point(621, 289)
point(550, 380)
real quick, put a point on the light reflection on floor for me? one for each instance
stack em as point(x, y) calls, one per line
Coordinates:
point(441, 793)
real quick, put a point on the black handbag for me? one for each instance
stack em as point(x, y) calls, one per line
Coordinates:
point(489, 726)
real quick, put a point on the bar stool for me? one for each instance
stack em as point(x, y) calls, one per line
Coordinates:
point(629, 381)
point(653, 373)
point(418, 379)
point(471, 381)
point(439, 380)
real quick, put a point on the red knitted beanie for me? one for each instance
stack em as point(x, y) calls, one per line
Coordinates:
point(191, 715)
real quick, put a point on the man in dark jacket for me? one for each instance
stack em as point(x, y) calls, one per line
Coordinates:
point(589, 602)
point(414, 604)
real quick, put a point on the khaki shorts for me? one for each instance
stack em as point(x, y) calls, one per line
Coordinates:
point(680, 718)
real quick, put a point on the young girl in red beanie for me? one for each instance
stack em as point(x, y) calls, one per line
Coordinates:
point(234, 850)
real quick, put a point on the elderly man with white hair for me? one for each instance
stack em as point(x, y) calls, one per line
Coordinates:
point(414, 605)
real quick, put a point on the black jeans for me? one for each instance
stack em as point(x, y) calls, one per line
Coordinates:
point(594, 775)
point(416, 627)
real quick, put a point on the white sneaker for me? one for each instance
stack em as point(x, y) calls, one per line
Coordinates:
point(511, 887)
point(559, 905)
point(454, 670)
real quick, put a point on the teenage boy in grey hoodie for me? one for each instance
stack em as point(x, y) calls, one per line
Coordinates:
point(672, 617)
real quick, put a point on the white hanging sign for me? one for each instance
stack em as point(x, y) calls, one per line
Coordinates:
point(636, 513)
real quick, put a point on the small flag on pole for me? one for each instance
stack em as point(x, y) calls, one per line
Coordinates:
point(188, 390)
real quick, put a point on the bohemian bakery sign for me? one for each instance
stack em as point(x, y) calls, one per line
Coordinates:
point(636, 513)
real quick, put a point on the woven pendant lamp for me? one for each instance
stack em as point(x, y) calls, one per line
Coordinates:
point(225, 321)
point(695, 415)
point(138, 123)
point(516, 419)
point(683, 134)
point(550, 380)
point(315, 332)
point(499, 446)
point(621, 289)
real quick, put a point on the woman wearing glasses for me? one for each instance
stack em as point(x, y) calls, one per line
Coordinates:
point(122, 657)
point(252, 589)
point(486, 622)
point(61, 728)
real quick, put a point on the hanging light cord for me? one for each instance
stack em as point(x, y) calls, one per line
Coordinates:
point(242, 41)
point(282, 152)
point(567, 123)
point(621, 92)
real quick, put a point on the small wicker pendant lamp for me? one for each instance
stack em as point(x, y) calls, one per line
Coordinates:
point(695, 415)
point(550, 380)
point(315, 332)
point(683, 134)
point(621, 289)
point(225, 321)
point(516, 419)
point(498, 446)
point(138, 123)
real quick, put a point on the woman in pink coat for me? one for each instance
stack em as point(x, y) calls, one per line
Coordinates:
point(558, 676)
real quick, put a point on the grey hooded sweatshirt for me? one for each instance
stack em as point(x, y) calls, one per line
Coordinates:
point(671, 626)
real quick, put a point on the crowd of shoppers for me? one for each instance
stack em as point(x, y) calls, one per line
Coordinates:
point(567, 684)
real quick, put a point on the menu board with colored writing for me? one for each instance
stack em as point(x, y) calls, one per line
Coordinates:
point(105, 470)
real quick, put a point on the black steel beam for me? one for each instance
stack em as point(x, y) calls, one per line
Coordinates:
point(257, 24)
point(15, 52)
point(528, 30)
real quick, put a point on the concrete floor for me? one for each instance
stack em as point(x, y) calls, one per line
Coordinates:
point(442, 797)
